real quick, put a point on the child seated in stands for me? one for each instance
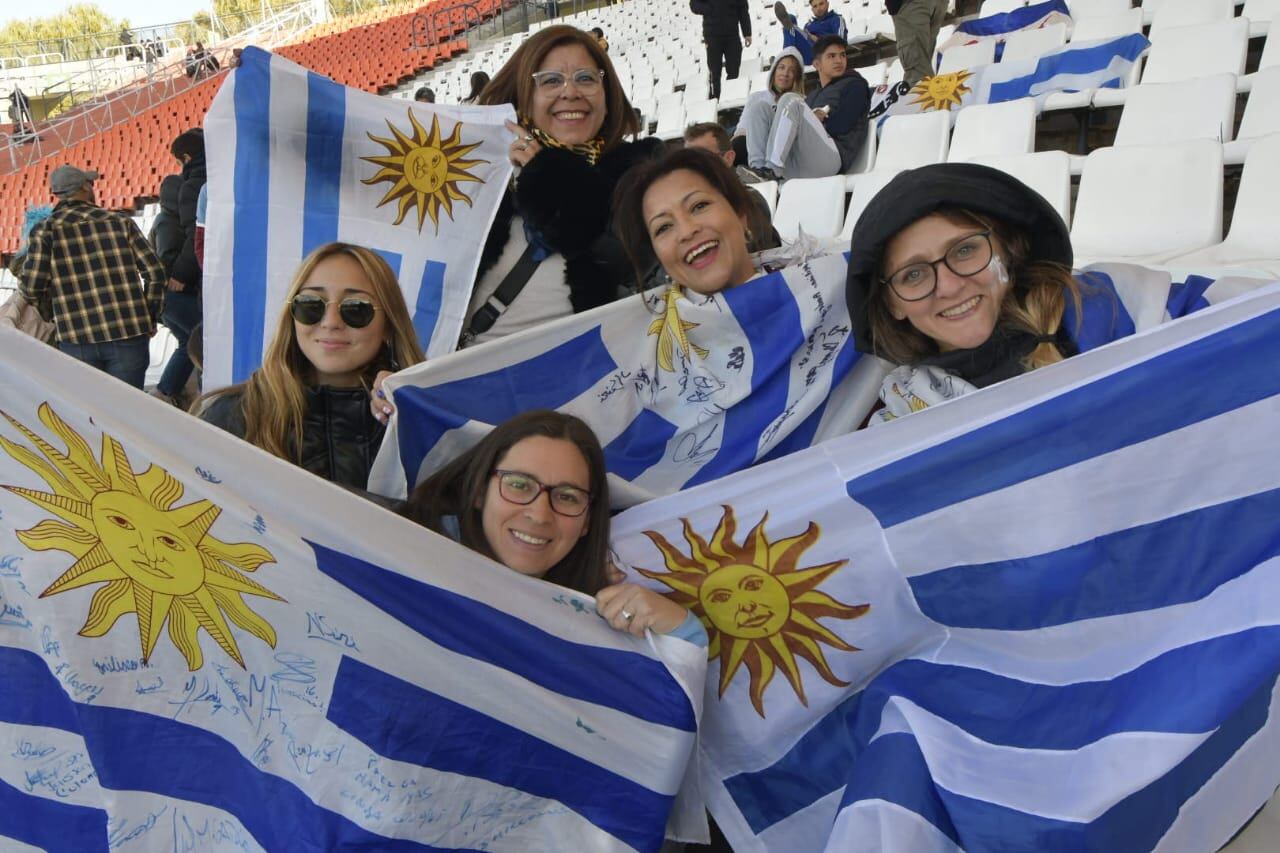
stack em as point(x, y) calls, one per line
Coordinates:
point(491, 499)
point(344, 320)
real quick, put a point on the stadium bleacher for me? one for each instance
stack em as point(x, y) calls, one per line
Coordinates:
point(1210, 78)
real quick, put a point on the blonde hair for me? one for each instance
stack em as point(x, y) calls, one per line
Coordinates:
point(273, 399)
point(797, 82)
point(1035, 302)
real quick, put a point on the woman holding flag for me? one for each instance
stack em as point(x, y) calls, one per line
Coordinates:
point(961, 275)
point(549, 252)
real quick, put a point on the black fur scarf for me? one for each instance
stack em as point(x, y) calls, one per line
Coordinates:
point(567, 201)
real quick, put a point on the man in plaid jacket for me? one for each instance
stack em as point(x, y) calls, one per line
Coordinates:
point(98, 277)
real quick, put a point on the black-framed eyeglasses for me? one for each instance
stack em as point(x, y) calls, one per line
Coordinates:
point(585, 80)
point(966, 257)
point(308, 309)
point(521, 488)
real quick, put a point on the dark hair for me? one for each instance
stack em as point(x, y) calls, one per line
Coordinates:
point(597, 32)
point(513, 84)
point(189, 142)
point(458, 489)
point(628, 198)
point(702, 128)
point(478, 81)
point(425, 95)
point(826, 41)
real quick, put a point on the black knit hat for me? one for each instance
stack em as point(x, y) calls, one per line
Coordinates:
point(915, 194)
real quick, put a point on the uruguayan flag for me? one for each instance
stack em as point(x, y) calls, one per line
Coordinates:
point(998, 26)
point(1075, 67)
point(193, 658)
point(680, 388)
point(297, 160)
point(1043, 616)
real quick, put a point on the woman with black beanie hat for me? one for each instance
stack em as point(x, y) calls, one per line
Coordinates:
point(960, 275)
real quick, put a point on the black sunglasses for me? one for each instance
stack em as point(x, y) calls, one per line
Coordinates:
point(308, 309)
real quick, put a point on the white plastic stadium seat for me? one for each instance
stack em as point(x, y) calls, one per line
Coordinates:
point(769, 190)
point(1148, 203)
point(1202, 108)
point(733, 93)
point(1251, 244)
point(1029, 44)
point(965, 56)
point(814, 205)
point(1046, 172)
point(1188, 13)
point(864, 189)
point(995, 7)
point(908, 141)
point(1008, 127)
point(699, 111)
point(1182, 53)
point(866, 154)
point(1260, 14)
point(1261, 115)
point(1091, 27)
point(1080, 8)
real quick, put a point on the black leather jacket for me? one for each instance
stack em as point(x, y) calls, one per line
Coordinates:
point(340, 436)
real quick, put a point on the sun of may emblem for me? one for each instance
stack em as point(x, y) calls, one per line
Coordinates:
point(424, 170)
point(127, 531)
point(760, 608)
point(941, 91)
point(671, 332)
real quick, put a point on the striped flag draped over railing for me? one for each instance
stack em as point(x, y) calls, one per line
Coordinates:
point(1043, 616)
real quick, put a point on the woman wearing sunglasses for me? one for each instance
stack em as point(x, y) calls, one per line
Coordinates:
point(345, 319)
point(532, 495)
point(549, 252)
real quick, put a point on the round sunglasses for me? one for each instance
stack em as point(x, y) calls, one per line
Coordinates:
point(308, 309)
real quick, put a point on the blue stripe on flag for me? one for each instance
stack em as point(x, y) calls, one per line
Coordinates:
point(134, 751)
point(1073, 61)
point(802, 436)
point(901, 777)
point(1156, 697)
point(393, 259)
point(1105, 316)
point(387, 714)
point(1018, 19)
point(1196, 381)
point(547, 381)
point(767, 312)
point(1171, 561)
point(50, 824)
point(1137, 822)
point(32, 695)
point(251, 187)
point(633, 451)
point(426, 307)
point(628, 682)
point(1187, 297)
point(326, 119)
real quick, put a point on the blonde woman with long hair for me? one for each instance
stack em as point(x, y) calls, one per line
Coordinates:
point(344, 320)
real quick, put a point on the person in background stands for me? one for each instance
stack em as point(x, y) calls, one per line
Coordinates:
point(824, 23)
point(478, 81)
point(915, 27)
point(721, 20)
point(600, 39)
point(424, 95)
point(710, 136)
point(83, 266)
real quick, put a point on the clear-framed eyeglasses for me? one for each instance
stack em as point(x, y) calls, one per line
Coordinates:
point(521, 488)
point(585, 80)
point(966, 257)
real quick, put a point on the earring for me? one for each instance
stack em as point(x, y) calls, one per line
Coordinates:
point(750, 237)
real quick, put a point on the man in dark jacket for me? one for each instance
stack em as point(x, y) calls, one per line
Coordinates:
point(915, 27)
point(821, 135)
point(721, 20)
point(182, 306)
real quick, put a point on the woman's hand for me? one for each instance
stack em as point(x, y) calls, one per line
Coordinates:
point(379, 402)
point(524, 147)
point(631, 608)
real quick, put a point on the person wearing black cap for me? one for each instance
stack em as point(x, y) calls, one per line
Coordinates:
point(961, 275)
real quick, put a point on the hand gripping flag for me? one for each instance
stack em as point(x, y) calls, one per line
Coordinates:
point(203, 647)
point(297, 160)
point(680, 388)
point(1043, 616)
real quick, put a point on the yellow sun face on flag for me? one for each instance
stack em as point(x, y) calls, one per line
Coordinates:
point(759, 607)
point(126, 531)
point(941, 91)
point(424, 170)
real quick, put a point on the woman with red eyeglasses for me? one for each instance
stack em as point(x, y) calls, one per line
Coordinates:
point(532, 495)
point(345, 319)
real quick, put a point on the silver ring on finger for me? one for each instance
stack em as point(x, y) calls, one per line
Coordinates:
point(526, 139)
point(628, 615)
